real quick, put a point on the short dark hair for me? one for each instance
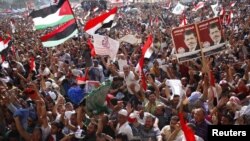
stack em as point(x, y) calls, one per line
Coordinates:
point(192, 126)
point(213, 25)
point(189, 32)
point(175, 118)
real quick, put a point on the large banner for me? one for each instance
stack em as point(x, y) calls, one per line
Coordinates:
point(105, 46)
point(186, 43)
point(211, 38)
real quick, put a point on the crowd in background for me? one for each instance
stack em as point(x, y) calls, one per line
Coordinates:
point(35, 104)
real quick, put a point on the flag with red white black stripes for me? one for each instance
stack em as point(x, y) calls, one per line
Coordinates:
point(5, 45)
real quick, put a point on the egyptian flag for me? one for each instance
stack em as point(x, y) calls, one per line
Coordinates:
point(183, 21)
point(52, 15)
point(60, 34)
point(146, 53)
point(188, 133)
point(4, 48)
point(103, 21)
point(147, 49)
point(198, 6)
point(222, 15)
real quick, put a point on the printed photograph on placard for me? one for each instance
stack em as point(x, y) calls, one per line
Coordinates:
point(211, 37)
point(186, 43)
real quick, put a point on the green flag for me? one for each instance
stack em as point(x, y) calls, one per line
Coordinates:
point(95, 100)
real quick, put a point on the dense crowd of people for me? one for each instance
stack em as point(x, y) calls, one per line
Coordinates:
point(35, 105)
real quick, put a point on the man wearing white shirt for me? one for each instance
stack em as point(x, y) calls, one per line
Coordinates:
point(123, 126)
point(131, 78)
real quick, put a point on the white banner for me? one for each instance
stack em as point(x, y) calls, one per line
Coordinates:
point(105, 46)
point(175, 86)
point(178, 9)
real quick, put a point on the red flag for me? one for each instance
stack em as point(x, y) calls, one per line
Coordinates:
point(212, 79)
point(229, 18)
point(32, 64)
point(189, 134)
point(222, 15)
point(80, 80)
point(91, 46)
point(146, 53)
point(86, 74)
point(143, 78)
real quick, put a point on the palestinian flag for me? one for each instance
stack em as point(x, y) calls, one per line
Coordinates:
point(52, 15)
point(103, 21)
point(4, 48)
point(60, 34)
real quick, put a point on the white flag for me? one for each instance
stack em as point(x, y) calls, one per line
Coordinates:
point(178, 9)
point(105, 46)
point(130, 39)
point(215, 9)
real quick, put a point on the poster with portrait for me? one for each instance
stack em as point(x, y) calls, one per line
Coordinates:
point(186, 43)
point(211, 37)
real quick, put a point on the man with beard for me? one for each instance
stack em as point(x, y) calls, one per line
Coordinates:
point(190, 41)
point(215, 34)
point(91, 132)
point(148, 131)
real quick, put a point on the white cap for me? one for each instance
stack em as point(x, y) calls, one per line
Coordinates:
point(123, 112)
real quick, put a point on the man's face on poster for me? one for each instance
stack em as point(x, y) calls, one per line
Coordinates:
point(190, 41)
point(215, 35)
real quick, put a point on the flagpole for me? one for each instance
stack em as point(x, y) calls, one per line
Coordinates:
point(202, 54)
point(74, 18)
